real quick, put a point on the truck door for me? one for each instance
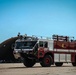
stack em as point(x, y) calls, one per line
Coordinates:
point(35, 49)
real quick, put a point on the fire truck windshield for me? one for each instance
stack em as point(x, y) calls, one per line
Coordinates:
point(25, 45)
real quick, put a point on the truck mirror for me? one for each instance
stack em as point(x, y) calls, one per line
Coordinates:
point(13, 45)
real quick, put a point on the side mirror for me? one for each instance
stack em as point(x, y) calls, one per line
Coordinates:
point(13, 45)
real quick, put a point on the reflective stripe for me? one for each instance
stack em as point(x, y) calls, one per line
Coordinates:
point(64, 50)
point(55, 49)
point(72, 50)
point(61, 50)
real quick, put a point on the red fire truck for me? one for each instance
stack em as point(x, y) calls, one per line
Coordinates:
point(58, 50)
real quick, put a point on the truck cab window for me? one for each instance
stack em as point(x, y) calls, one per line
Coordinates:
point(41, 44)
point(45, 44)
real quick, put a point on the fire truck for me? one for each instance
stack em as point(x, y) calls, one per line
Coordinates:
point(46, 51)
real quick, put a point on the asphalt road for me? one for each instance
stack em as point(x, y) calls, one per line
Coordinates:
point(20, 69)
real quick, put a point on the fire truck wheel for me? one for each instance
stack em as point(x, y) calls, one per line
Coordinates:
point(59, 64)
point(74, 64)
point(29, 62)
point(46, 61)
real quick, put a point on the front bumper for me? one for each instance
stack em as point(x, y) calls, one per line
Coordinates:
point(20, 53)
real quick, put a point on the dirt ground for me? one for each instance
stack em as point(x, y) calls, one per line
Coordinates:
point(20, 69)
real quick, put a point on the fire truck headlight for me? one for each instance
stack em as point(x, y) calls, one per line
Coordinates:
point(16, 51)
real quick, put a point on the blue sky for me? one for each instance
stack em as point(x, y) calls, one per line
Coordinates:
point(37, 17)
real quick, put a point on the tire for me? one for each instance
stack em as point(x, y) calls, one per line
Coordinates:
point(74, 63)
point(46, 61)
point(59, 64)
point(29, 62)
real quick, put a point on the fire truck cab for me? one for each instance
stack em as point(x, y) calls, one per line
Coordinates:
point(58, 50)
